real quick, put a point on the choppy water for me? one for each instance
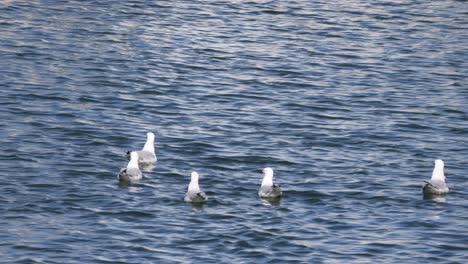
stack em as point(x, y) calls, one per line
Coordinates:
point(350, 102)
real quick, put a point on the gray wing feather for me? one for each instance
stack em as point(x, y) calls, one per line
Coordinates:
point(435, 187)
point(270, 191)
point(196, 197)
point(130, 175)
point(144, 157)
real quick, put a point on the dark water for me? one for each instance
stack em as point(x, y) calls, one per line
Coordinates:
point(350, 102)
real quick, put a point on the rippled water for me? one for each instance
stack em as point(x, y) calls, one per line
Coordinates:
point(350, 102)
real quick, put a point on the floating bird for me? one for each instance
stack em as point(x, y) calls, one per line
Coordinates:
point(437, 185)
point(146, 156)
point(194, 195)
point(132, 172)
point(268, 189)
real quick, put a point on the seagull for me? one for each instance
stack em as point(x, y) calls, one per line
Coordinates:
point(146, 156)
point(194, 195)
point(132, 172)
point(268, 189)
point(437, 185)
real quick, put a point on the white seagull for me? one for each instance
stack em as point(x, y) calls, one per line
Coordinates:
point(437, 185)
point(194, 195)
point(132, 172)
point(146, 156)
point(268, 189)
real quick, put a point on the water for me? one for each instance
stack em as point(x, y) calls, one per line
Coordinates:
point(350, 102)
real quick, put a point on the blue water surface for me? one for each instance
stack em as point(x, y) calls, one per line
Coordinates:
point(349, 102)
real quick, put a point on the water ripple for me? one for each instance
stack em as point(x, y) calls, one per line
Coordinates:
point(349, 102)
